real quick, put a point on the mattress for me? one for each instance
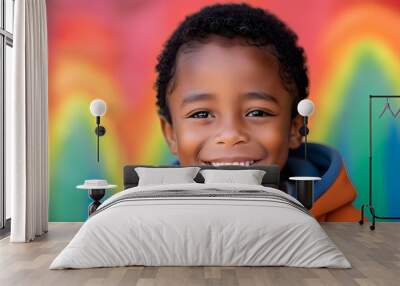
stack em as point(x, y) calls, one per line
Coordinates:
point(201, 225)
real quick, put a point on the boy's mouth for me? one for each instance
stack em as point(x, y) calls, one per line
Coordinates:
point(232, 161)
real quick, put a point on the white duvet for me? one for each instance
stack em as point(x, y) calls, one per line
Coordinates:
point(190, 230)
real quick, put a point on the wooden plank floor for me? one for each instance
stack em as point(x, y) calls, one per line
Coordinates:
point(375, 257)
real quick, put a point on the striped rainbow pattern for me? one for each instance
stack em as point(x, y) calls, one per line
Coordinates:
point(108, 50)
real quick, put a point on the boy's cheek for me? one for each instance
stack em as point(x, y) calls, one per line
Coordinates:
point(190, 136)
point(189, 145)
point(275, 142)
point(273, 134)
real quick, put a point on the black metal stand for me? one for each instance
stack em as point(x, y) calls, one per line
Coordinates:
point(369, 205)
point(96, 195)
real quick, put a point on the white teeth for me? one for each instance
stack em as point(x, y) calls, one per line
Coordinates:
point(245, 163)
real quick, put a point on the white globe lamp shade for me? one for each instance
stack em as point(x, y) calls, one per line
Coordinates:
point(98, 107)
point(305, 107)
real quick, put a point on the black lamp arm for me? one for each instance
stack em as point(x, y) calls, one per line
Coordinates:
point(305, 137)
point(303, 132)
point(100, 131)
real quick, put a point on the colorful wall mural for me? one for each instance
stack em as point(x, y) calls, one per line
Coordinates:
point(108, 49)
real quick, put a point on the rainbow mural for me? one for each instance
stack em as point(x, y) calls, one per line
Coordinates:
point(108, 49)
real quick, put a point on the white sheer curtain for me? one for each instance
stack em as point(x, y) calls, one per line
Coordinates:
point(26, 124)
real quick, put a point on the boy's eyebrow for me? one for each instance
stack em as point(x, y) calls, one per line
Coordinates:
point(260, 95)
point(193, 97)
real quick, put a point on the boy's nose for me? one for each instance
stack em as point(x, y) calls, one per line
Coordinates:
point(231, 133)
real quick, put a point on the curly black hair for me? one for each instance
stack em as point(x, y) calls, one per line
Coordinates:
point(257, 26)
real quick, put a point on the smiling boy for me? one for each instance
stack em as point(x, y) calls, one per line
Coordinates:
point(229, 81)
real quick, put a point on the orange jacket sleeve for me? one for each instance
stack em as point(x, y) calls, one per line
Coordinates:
point(336, 203)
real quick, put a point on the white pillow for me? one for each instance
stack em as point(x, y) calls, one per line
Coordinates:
point(162, 176)
point(249, 177)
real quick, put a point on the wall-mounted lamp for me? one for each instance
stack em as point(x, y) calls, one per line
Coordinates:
point(98, 108)
point(305, 108)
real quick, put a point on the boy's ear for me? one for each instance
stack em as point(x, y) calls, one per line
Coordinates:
point(296, 139)
point(169, 135)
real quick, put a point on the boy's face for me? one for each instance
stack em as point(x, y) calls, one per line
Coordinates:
point(228, 105)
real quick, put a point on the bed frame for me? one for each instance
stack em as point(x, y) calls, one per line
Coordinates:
point(270, 179)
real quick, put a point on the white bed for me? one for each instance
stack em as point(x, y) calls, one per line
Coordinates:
point(222, 225)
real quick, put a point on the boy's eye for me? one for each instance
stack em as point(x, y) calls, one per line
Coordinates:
point(259, 113)
point(200, 114)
